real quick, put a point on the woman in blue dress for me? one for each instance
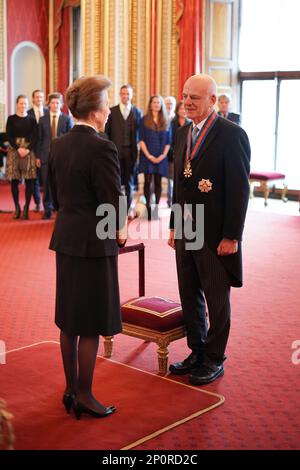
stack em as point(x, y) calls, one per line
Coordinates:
point(155, 140)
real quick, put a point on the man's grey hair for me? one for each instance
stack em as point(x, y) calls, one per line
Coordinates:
point(224, 96)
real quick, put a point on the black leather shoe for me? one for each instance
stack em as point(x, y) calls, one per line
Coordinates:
point(17, 213)
point(180, 368)
point(68, 401)
point(79, 409)
point(25, 213)
point(46, 216)
point(206, 374)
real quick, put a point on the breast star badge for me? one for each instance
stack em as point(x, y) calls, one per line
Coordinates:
point(205, 185)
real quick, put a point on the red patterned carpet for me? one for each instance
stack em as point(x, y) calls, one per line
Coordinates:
point(260, 385)
point(147, 403)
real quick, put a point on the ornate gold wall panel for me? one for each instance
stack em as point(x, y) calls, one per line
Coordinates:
point(52, 71)
point(92, 31)
point(3, 62)
point(167, 58)
point(142, 88)
point(174, 55)
point(133, 44)
point(116, 42)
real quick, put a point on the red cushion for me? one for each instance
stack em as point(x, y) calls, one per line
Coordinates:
point(266, 175)
point(156, 313)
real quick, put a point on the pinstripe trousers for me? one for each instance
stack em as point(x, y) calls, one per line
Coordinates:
point(203, 281)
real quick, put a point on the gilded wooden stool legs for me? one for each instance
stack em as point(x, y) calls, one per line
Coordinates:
point(284, 193)
point(108, 345)
point(163, 355)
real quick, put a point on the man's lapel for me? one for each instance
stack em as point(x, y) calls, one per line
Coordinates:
point(180, 159)
point(120, 113)
point(59, 125)
point(47, 123)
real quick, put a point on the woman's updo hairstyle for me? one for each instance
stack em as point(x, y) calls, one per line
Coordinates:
point(85, 95)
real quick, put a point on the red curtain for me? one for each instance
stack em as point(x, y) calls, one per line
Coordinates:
point(189, 24)
point(63, 53)
point(59, 5)
point(62, 41)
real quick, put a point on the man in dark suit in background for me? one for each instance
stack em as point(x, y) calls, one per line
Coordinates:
point(224, 101)
point(51, 125)
point(122, 128)
point(4, 144)
point(212, 163)
point(37, 111)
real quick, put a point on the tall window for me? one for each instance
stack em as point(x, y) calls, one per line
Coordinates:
point(269, 64)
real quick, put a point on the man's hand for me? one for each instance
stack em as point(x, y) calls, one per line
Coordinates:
point(121, 241)
point(121, 236)
point(171, 241)
point(227, 247)
point(38, 163)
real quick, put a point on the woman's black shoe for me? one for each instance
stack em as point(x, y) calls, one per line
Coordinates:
point(25, 213)
point(17, 213)
point(68, 401)
point(79, 409)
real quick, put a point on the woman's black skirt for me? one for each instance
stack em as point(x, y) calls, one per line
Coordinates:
point(87, 295)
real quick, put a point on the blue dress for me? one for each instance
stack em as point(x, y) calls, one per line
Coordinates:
point(155, 142)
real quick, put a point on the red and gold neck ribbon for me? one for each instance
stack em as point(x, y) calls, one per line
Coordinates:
point(209, 123)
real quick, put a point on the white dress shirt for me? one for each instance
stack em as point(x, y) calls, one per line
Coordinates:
point(38, 112)
point(125, 110)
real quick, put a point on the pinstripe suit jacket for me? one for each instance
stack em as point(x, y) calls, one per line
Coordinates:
point(224, 159)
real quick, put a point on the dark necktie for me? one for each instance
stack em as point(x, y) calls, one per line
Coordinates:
point(53, 127)
point(195, 133)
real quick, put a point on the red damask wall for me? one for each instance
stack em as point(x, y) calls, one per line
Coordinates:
point(28, 20)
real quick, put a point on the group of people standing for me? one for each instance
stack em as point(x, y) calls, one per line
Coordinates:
point(29, 133)
point(154, 132)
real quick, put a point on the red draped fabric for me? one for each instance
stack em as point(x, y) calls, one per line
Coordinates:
point(58, 9)
point(62, 41)
point(189, 23)
point(63, 53)
point(58, 16)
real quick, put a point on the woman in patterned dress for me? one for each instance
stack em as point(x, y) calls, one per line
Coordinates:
point(21, 130)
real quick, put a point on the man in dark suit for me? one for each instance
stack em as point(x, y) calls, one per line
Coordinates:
point(3, 151)
point(52, 125)
point(122, 128)
point(212, 163)
point(224, 101)
point(37, 111)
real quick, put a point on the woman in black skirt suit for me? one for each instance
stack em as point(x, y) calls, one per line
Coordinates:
point(84, 173)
